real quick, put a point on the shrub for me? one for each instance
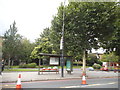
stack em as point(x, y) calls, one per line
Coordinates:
point(77, 63)
point(96, 66)
point(31, 65)
point(23, 66)
point(99, 62)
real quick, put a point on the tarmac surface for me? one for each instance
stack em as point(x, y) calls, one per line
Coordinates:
point(33, 76)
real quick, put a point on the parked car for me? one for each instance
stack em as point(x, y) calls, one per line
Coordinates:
point(91, 69)
point(104, 69)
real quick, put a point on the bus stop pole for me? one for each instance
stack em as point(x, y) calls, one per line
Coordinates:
point(0, 67)
point(62, 66)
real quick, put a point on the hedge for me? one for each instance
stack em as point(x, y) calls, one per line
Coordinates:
point(31, 65)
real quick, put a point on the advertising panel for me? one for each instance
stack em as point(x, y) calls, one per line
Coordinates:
point(54, 60)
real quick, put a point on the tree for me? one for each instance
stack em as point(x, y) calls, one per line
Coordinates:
point(11, 44)
point(26, 49)
point(44, 45)
point(111, 57)
point(91, 59)
point(113, 45)
point(87, 26)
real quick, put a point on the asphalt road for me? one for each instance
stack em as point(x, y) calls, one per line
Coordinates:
point(71, 83)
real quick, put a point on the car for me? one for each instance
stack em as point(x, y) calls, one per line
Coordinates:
point(104, 69)
point(91, 69)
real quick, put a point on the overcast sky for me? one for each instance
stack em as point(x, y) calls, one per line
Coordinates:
point(31, 16)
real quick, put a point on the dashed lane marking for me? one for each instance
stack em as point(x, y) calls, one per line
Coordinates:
point(88, 85)
point(112, 83)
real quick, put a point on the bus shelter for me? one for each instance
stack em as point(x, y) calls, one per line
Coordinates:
point(55, 60)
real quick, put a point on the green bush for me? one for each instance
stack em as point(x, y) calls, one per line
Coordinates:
point(77, 63)
point(31, 65)
point(23, 66)
point(96, 66)
point(99, 62)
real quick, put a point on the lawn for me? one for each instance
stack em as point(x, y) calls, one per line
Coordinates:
point(17, 69)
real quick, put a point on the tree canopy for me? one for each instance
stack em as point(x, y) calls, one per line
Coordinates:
point(15, 47)
point(111, 57)
point(11, 42)
point(87, 25)
point(44, 45)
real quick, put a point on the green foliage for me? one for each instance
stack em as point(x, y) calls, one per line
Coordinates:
point(113, 44)
point(111, 57)
point(35, 53)
point(77, 63)
point(92, 58)
point(14, 66)
point(44, 45)
point(99, 62)
point(31, 65)
point(23, 66)
point(87, 26)
point(26, 49)
point(11, 44)
point(96, 66)
point(20, 70)
point(15, 47)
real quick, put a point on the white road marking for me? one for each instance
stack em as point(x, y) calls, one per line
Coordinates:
point(88, 85)
point(112, 83)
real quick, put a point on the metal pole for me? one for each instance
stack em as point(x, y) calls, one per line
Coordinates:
point(0, 67)
point(62, 62)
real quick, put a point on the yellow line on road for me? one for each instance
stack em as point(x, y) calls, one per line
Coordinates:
point(8, 86)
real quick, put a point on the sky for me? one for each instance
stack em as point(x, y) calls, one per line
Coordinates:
point(31, 16)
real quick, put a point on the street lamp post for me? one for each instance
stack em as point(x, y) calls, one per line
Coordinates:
point(62, 45)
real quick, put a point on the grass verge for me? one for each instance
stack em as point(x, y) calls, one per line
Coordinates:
point(15, 68)
point(9, 70)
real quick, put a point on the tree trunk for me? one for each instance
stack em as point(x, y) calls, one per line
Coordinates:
point(9, 62)
point(12, 62)
point(77, 63)
point(84, 62)
point(110, 65)
point(39, 66)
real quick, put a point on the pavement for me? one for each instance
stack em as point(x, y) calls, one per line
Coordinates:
point(33, 76)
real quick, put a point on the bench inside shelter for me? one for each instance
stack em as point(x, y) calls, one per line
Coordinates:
point(49, 69)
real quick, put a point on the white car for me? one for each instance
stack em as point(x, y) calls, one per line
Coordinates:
point(91, 69)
